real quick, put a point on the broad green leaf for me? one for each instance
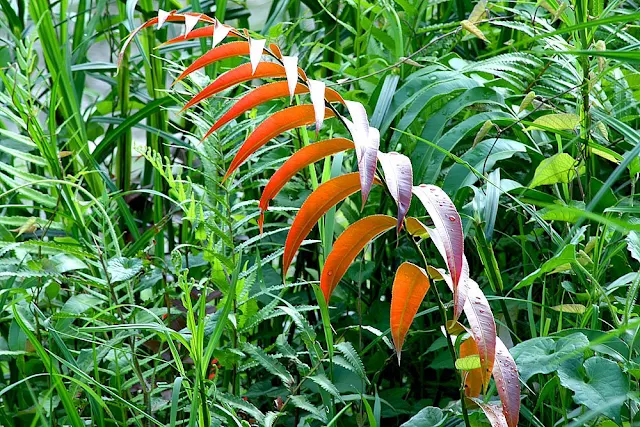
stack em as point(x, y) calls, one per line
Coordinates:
point(429, 416)
point(559, 168)
point(121, 269)
point(601, 387)
point(545, 355)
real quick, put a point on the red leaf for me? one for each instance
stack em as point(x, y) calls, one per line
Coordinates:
point(347, 247)
point(228, 50)
point(409, 288)
point(299, 160)
point(172, 17)
point(236, 76)
point(472, 378)
point(505, 374)
point(493, 413)
point(275, 50)
point(261, 95)
point(317, 204)
point(284, 120)
point(445, 217)
point(195, 34)
point(399, 176)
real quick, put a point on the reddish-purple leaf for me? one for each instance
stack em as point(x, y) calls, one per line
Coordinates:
point(367, 141)
point(505, 374)
point(460, 291)
point(481, 322)
point(483, 328)
point(399, 177)
point(446, 219)
point(493, 412)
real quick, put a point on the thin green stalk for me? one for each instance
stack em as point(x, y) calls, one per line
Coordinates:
point(452, 351)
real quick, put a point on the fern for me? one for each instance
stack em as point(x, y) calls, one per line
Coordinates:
point(351, 356)
point(272, 365)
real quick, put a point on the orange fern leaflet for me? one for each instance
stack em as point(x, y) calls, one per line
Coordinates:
point(261, 95)
point(299, 160)
point(195, 34)
point(228, 50)
point(234, 77)
point(317, 204)
point(172, 17)
point(348, 245)
point(289, 118)
point(409, 288)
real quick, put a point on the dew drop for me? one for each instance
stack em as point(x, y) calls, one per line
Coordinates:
point(329, 273)
point(452, 218)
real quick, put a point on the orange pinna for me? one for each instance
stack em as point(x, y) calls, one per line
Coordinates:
point(347, 247)
point(409, 289)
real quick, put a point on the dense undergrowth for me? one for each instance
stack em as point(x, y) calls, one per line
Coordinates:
point(138, 285)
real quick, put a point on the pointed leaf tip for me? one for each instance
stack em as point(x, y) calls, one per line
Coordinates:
point(162, 17)
point(220, 32)
point(317, 90)
point(190, 22)
point(291, 67)
point(255, 52)
point(398, 174)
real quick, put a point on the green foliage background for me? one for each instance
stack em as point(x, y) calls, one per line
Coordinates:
point(135, 288)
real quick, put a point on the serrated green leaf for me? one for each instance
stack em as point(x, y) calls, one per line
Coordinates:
point(272, 365)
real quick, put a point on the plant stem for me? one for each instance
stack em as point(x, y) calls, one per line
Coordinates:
point(452, 351)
